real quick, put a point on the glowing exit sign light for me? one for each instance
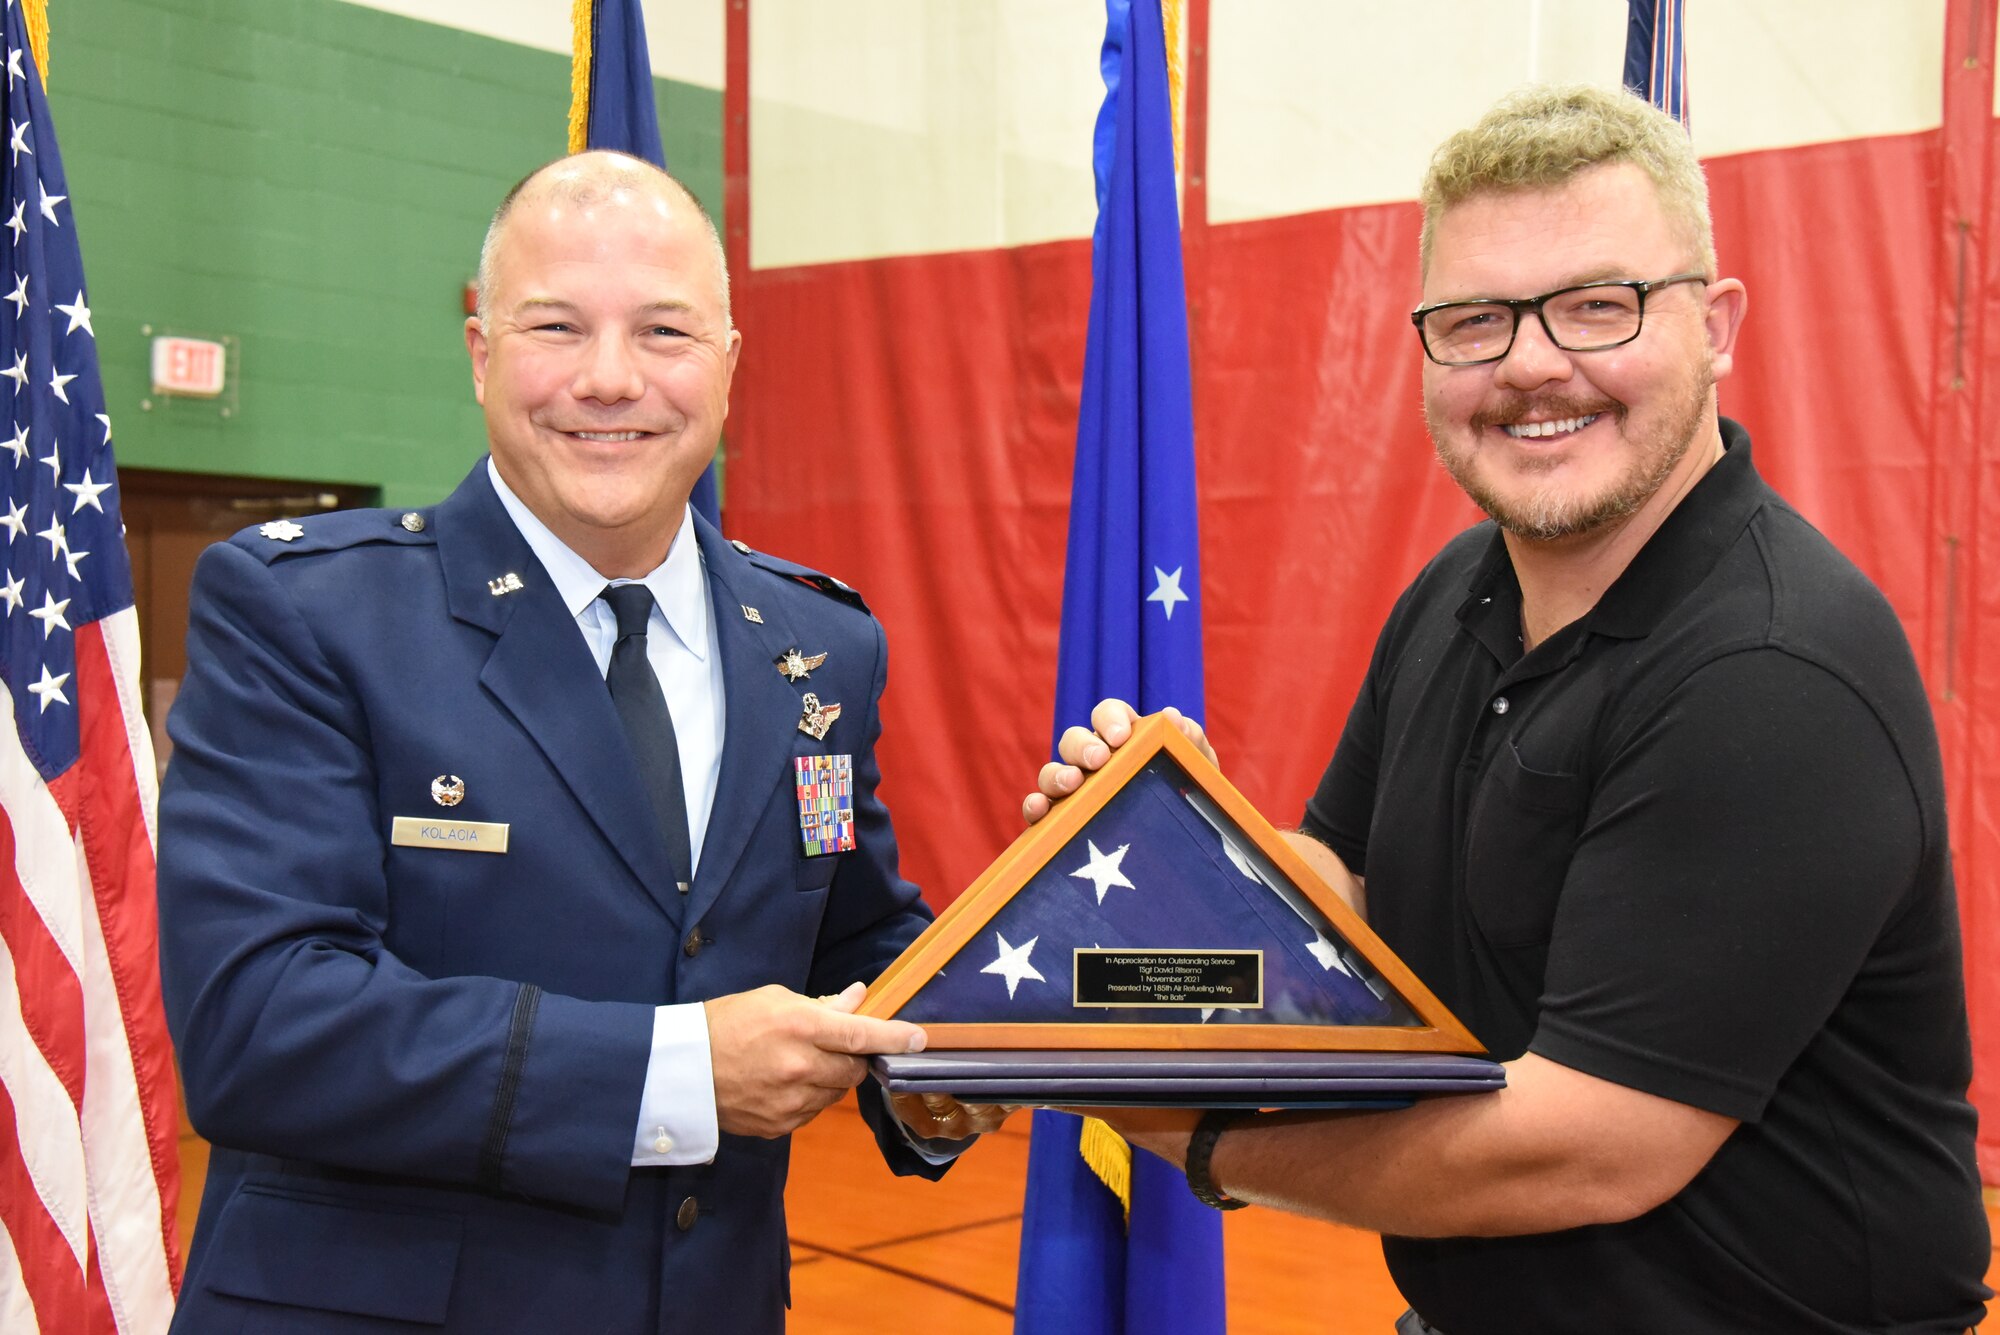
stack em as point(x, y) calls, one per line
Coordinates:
point(188, 366)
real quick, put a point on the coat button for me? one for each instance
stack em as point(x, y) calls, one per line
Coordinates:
point(1500, 706)
point(412, 522)
point(689, 1212)
point(694, 944)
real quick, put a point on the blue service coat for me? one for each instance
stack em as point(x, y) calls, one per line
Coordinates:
point(420, 1067)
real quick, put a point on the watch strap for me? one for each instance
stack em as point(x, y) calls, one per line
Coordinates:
point(1201, 1145)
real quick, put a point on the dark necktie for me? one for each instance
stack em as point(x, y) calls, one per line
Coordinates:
point(642, 708)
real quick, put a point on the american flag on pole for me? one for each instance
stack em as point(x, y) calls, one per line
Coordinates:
point(1655, 57)
point(89, 1183)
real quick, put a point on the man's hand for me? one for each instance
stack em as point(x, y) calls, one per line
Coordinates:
point(1084, 749)
point(779, 1058)
point(942, 1117)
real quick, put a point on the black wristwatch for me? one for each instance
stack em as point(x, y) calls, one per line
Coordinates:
point(1200, 1146)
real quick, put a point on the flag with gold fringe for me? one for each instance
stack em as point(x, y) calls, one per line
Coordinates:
point(1112, 1241)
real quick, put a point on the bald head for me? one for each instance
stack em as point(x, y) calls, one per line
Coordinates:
point(581, 181)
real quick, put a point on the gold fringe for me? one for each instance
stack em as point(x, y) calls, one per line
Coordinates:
point(1171, 12)
point(1110, 1158)
point(36, 14)
point(579, 75)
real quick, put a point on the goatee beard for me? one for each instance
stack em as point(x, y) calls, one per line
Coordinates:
point(1552, 512)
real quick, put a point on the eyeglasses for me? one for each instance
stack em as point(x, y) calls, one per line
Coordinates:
point(1587, 318)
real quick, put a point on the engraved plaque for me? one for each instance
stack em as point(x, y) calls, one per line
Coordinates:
point(1232, 979)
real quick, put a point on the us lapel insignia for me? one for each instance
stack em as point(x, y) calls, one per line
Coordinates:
point(281, 530)
point(817, 717)
point(447, 790)
point(796, 666)
point(507, 583)
point(826, 803)
point(751, 614)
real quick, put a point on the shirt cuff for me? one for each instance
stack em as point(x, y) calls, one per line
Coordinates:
point(933, 1151)
point(677, 1107)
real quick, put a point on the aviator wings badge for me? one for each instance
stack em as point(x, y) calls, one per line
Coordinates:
point(796, 666)
point(817, 717)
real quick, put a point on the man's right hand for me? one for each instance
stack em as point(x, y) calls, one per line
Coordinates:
point(779, 1057)
point(1090, 748)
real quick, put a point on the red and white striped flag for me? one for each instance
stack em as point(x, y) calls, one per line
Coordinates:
point(89, 1179)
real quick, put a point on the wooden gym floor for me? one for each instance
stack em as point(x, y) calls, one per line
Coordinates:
point(872, 1252)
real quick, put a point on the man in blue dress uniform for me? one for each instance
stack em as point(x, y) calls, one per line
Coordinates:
point(520, 857)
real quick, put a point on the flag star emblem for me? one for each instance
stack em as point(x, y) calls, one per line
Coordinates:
point(1013, 964)
point(74, 560)
point(20, 143)
point(1328, 954)
point(79, 316)
point(49, 688)
point(10, 593)
point(1103, 870)
point(53, 461)
point(14, 70)
point(18, 372)
point(17, 224)
point(86, 492)
point(56, 382)
point(50, 614)
point(19, 445)
point(106, 420)
point(49, 203)
point(15, 521)
point(1167, 592)
point(54, 533)
point(19, 296)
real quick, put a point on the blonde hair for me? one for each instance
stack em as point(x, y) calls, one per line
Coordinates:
point(1544, 136)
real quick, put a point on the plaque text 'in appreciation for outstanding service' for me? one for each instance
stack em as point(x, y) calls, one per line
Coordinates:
point(1219, 978)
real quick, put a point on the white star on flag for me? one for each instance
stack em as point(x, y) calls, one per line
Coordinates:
point(15, 521)
point(1103, 870)
point(20, 144)
point(74, 560)
point(79, 316)
point(18, 372)
point(49, 688)
point(1328, 954)
point(50, 614)
point(49, 203)
point(87, 492)
point(56, 382)
point(1013, 964)
point(11, 593)
point(19, 444)
point(1168, 592)
point(19, 296)
point(17, 224)
point(54, 533)
point(14, 65)
point(53, 461)
point(106, 420)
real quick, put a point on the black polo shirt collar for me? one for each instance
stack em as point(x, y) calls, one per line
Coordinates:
point(1673, 562)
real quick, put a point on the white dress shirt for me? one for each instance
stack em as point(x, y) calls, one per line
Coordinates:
point(677, 1108)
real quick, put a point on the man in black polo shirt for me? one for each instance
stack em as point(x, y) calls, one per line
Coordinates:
point(1643, 782)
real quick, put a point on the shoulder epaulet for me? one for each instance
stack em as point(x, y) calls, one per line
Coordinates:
point(812, 579)
point(335, 530)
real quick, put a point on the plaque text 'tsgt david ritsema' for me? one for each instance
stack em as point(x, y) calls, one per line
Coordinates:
point(1233, 978)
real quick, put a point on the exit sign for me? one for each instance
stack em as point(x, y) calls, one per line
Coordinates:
point(190, 366)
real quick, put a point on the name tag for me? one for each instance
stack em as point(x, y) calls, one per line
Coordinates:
point(462, 836)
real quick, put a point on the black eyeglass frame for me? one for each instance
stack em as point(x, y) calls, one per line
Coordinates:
point(1519, 306)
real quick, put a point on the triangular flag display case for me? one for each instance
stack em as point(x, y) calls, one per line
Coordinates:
point(1155, 910)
